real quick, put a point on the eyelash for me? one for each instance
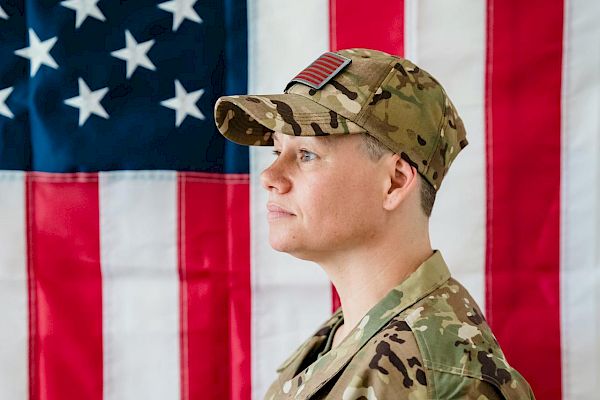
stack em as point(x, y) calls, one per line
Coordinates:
point(303, 151)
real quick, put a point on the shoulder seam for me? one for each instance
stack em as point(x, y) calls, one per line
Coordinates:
point(448, 369)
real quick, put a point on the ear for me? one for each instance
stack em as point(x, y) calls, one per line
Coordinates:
point(402, 181)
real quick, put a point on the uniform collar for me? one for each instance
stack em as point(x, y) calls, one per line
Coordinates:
point(431, 274)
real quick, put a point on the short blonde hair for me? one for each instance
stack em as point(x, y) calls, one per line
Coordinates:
point(375, 150)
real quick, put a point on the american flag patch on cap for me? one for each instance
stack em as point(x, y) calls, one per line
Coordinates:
point(321, 70)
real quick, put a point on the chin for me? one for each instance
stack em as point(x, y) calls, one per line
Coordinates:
point(281, 244)
point(287, 243)
point(293, 248)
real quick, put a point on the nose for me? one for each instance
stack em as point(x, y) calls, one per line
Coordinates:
point(274, 178)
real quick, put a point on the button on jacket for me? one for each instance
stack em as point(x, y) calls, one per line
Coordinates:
point(426, 339)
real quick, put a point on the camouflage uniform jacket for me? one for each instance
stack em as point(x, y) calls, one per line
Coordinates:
point(426, 339)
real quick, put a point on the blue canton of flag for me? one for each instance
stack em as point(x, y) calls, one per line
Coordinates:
point(89, 85)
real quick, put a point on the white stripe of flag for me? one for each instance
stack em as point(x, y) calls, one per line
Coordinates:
point(140, 288)
point(14, 308)
point(447, 39)
point(580, 214)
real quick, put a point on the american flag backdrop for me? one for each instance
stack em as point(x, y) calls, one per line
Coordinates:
point(134, 259)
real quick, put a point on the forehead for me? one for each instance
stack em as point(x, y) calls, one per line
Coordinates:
point(328, 141)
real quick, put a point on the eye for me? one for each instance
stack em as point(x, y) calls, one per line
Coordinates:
point(307, 155)
point(304, 153)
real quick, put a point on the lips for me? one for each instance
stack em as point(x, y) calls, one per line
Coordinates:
point(272, 207)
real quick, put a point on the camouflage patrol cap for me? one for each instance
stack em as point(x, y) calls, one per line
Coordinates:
point(385, 96)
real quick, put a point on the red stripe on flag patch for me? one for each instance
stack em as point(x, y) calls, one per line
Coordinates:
point(321, 70)
point(65, 287)
point(309, 77)
point(371, 24)
point(332, 58)
point(325, 66)
point(523, 94)
point(214, 265)
point(320, 74)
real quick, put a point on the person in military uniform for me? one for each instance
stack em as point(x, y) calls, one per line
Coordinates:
point(362, 141)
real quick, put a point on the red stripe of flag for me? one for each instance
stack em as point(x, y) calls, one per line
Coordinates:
point(381, 25)
point(65, 287)
point(523, 92)
point(382, 28)
point(215, 302)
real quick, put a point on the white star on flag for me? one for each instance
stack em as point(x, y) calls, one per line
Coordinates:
point(134, 54)
point(84, 9)
point(181, 10)
point(88, 102)
point(3, 14)
point(184, 103)
point(4, 110)
point(38, 52)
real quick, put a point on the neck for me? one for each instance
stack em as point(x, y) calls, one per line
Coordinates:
point(363, 276)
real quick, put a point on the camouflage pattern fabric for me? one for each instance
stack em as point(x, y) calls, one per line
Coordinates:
point(427, 339)
point(386, 96)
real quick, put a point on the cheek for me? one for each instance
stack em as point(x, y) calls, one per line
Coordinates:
point(343, 202)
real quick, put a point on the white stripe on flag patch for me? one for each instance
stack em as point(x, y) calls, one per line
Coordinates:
point(138, 247)
point(580, 216)
point(13, 287)
point(290, 297)
point(447, 39)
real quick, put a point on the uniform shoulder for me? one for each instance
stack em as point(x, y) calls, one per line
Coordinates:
point(391, 365)
point(456, 341)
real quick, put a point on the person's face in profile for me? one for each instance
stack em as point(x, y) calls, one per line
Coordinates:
point(325, 195)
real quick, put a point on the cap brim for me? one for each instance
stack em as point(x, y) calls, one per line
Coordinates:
point(252, 119)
